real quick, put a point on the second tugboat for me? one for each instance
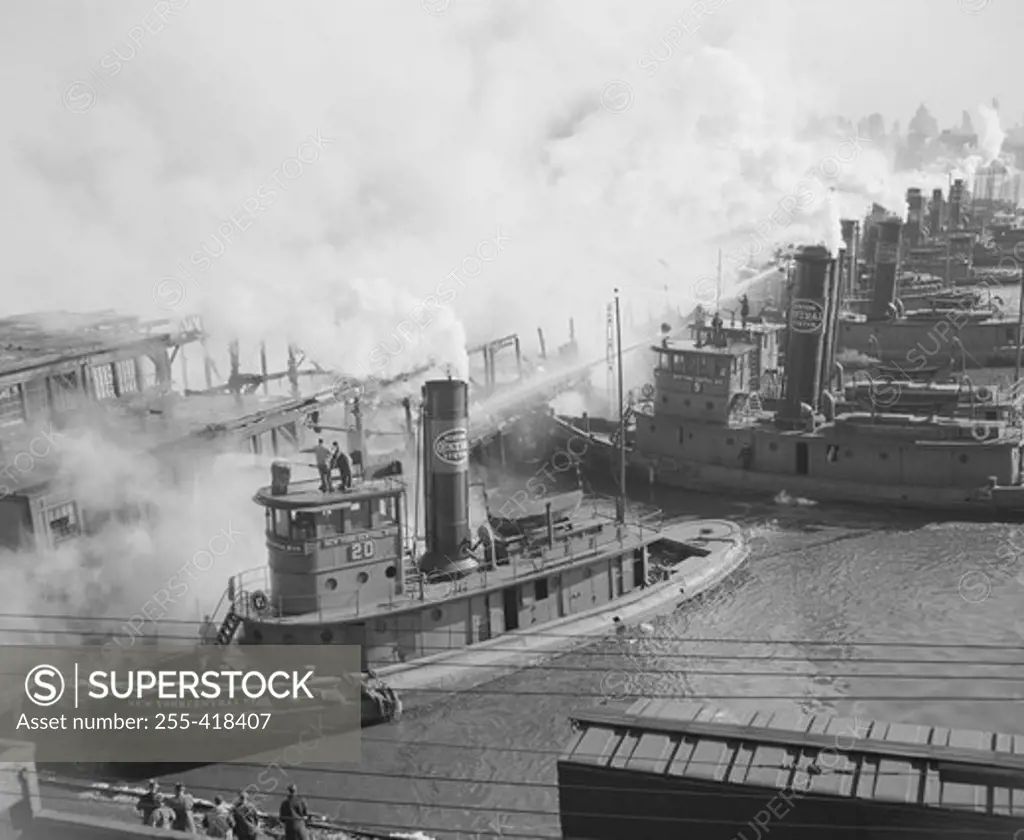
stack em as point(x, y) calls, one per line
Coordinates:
point(941, 447)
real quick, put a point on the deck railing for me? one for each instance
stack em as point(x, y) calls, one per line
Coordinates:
point(249, 593)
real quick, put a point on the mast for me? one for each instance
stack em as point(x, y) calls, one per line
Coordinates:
point(620, 502)
point(718, 286)
point(1020, 323)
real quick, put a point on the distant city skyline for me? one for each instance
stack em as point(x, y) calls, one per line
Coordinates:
point(889, 57)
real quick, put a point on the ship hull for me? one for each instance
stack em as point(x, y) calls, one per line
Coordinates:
point(1004, 503)
point(916, 344)
point(668, 468)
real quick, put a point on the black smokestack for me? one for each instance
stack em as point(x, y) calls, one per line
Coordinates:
point(935, 211)
point(851, 235)
point(446, 478)
point(887, 255)
point(915, 217)
point(956, 198)
point(807, 326)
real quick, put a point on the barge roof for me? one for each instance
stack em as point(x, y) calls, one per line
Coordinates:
point(39, 339)
point(930, 767)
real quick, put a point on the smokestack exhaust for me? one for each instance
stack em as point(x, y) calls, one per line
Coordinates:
point(446, 479)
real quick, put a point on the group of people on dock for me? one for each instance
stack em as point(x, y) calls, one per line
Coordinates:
point(239, 820)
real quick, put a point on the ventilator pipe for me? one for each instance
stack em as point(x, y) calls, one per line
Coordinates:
point(840, 375)
point(829, 401)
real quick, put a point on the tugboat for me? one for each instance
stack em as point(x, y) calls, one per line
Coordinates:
point(341, 570)
point(710, 429)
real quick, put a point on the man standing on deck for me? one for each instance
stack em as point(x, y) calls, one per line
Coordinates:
point(340, 462)
point(323, 465)
point(744, 310)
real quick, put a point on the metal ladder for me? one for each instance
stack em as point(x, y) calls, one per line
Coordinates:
point(232, 619)
point(228, 627)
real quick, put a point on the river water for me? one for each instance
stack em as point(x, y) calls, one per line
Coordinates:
point(891, 616)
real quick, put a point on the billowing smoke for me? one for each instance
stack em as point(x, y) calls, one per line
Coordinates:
point(155, 553)
point(990, 134)
point(380, 187)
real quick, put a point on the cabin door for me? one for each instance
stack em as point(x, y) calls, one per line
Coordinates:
point(561, 596)
point(510, 596)
point(802, 459)
point(639, 578)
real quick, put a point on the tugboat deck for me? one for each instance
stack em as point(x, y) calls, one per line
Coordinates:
point(662, 758)
point(600, 535)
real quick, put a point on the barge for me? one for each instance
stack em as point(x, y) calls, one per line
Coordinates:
point(677, 768)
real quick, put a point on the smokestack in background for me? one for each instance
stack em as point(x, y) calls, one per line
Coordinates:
point(956, 198)
point(446, 478)
point(851, 237)
point(807, 327)
point(935, 212)
point(915, 217)
point(887, 256)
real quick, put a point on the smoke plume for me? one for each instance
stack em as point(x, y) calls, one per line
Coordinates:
point(382, 186)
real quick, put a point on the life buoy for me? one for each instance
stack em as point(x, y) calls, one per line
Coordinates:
point(648, 391)
point(259, 602)
point(984, 394)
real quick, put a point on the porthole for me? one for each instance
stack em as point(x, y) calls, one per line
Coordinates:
point(686, 403)
point(390, 572)
point(257, 636)
point(884, 456)
point(362, 577)
point(436, 614)
point(773, 447)
point(711, 406)
point(289, 639)
point(849, 453)
point(327, 637)
point(331, 584)
point(653, 428)
point(963, 459)
point(664, 400)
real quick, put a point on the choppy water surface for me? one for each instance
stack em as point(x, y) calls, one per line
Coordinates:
point(835, 612)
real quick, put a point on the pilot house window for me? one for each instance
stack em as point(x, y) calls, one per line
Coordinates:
point(383, 512)
point(304, 526)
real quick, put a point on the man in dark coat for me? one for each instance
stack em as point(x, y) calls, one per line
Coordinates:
point(246, 817)
point(149, 802)
point(294, 815)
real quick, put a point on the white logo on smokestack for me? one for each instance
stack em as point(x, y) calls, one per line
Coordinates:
point(807, 316)
point(452, 447)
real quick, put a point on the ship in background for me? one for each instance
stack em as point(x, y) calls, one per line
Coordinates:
point(946, 306)
point(726, 414)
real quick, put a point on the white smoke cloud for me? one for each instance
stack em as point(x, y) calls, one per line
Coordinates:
point(990, 134)
point(380, 186)
point(151, 571)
